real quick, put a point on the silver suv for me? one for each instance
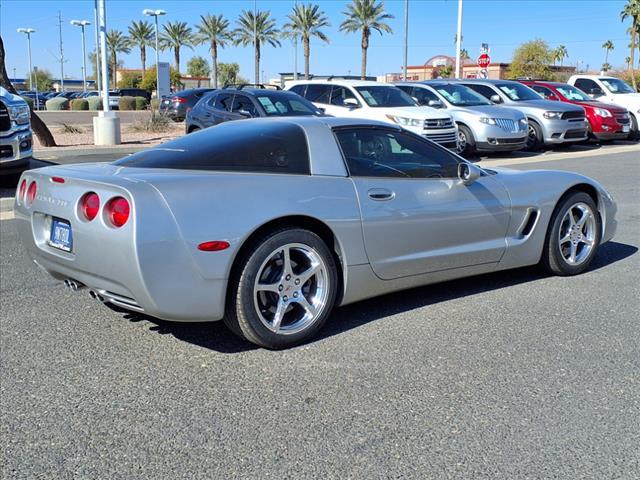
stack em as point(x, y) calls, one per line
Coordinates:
point(481, 125)
point(15, 132)
point(549, 122)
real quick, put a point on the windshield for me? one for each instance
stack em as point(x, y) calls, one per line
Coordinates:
point(572, 93)
point(382, 96)
point(518, 92)
point(461, 96)
point(284, 105)
point(615, 85)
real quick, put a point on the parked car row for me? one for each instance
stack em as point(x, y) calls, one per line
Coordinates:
point(16, 140)
point(469, 115)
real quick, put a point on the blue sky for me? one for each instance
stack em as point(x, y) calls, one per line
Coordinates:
point(582, 26)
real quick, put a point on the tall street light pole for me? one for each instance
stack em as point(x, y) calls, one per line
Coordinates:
point(82, 24)
point(155, 14)
point(459, 39)
point(28, 32)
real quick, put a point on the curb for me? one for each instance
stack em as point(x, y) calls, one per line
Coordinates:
point(6, 204)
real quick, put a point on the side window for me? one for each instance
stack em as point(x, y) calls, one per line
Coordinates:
point(299, 89)
point(318, 93)
point(340, 94)
point(483, 90)
point(378, 152)
point(423, 95)
point(544, 91)
point(406, 89)
point(240, 102)
point(587, 85)
point(223, 101)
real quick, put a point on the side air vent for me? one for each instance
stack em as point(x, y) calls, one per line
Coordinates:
point(529, 223)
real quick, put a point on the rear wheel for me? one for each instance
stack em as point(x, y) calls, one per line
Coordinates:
point(283, 289)
point(573, 235)
point(534, 136)
point(466, 143)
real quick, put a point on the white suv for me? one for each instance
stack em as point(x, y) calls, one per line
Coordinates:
point(378, 101)
point(611, 90)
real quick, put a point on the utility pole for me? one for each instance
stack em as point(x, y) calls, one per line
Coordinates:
point(61, 52)
point(406, 39)
point(459, 39)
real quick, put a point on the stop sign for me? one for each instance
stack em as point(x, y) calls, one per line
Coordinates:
point(484, 60)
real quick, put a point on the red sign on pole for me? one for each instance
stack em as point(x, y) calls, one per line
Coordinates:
point(484, 60)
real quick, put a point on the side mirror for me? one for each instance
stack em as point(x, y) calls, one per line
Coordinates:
point(435, 104)
point(495, 98)
point(322, 110)
point(468, 173)
point(596, 92)
point(351, 103)
point(553, 97)
point(244, 113)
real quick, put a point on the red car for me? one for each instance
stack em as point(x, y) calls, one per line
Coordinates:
point(606, 121)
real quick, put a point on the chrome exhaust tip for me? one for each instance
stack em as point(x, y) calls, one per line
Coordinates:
point(92, 294)
point(67, 284)
point(73, 285)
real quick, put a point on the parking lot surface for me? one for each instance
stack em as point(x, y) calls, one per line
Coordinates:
point(509, 375)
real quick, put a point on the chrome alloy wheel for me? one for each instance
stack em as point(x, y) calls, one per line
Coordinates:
point(532, 136)
point(577, 234)
point(291, 289)
point(462, 142)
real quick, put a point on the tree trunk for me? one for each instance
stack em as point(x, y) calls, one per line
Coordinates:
point(257, 63)
point(176, 53)
point(39, 128)
point(364, 45)
point(143, 57)
point(307, 54)
point(633, 51)
point(214, 65)
point(114, 78)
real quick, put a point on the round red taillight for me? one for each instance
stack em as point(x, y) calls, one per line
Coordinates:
point(90, 205)
point(31, 193)
point(118, 211)
point(22, 190)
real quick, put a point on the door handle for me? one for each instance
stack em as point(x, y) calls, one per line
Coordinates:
point(381, 194)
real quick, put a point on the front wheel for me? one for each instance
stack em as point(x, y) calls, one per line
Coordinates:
point(534, 137)
point(283, 289)
point(466, 145)
point(573, 235)
point(633, 131)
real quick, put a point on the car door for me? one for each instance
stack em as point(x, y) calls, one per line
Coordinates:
point(218, 109)
point(417, 216)
point(243, 107)
point(546, 93)
point(319, 94)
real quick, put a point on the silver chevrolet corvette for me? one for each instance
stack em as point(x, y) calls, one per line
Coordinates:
point(270, 223)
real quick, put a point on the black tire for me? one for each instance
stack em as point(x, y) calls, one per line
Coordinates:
point(552, 255)
point(242, 315)
point(535, 139)
point(193, 129)
point(633, 131)
point(469, 142)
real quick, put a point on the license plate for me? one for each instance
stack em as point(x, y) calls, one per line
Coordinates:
point(61, 236)
point(625, 129)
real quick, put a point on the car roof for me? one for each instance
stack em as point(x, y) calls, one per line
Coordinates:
point(580, 75)
point(331, 122)
point(339, 81)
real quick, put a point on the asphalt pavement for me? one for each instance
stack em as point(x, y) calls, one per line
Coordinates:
point(503, 376)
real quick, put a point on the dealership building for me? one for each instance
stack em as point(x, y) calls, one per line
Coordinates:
point(432, 69)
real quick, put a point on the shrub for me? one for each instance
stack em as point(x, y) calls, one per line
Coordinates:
point(57, 103)
point(141, 103)
point(95, 103)
point(70, 128)
point(154, 123)
point(79, 104)
point(127, 103)
point(155, 103)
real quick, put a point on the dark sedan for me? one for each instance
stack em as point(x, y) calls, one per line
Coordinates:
point(240, 103)
point(178, 104)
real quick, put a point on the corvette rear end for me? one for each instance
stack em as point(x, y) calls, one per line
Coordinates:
point(81, 224)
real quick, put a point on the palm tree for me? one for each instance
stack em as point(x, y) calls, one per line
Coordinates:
point(117, 42)
point(141, 36)
point(559, 54)
point(214, 30)
point(632, 10)
point(256, 29)
point(365, 16)
point(175, 36)
point(305, 22)
point(627, 60)
point(608, 46)
point(464, 56)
